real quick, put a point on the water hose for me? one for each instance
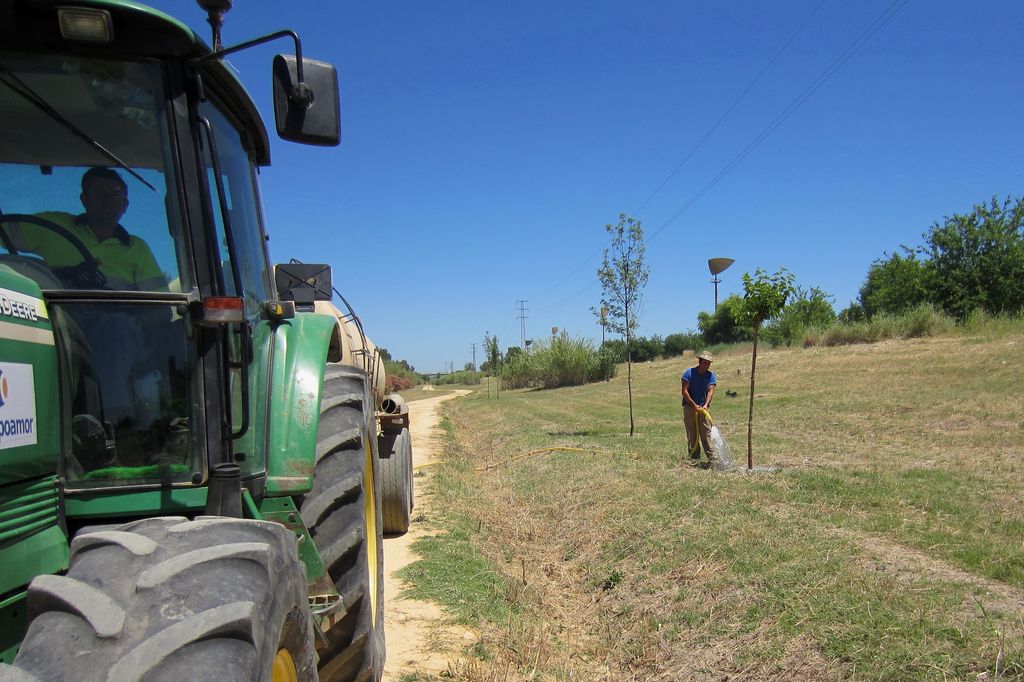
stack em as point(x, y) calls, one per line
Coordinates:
point(696, 427)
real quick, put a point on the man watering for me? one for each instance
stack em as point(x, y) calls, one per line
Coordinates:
point(698, 387)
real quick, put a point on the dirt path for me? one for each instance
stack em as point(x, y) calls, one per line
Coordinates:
point(417, 639)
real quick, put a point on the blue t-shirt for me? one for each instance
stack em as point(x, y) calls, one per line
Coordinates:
point(698, 384)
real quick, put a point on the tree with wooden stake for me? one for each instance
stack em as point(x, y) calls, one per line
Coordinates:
point(493, 363)
point(764, 297)
point(623, 277)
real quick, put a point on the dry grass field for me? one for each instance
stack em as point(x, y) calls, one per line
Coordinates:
point(888, 544)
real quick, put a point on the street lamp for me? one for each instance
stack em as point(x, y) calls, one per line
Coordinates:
point(717, 265)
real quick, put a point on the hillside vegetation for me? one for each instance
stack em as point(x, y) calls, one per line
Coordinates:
point(889, 544)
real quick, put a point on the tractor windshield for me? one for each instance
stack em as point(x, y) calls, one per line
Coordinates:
point(86, 188)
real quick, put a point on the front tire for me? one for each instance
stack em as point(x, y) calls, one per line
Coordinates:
point(343, 516)
point(171, 599)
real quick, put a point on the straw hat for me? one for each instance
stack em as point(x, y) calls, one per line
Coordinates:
point(704, 355)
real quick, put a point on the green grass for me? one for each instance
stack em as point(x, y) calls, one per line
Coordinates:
point(453, 572)
point(888, 545)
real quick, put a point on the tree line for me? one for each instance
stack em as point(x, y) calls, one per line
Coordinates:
point(968, 263)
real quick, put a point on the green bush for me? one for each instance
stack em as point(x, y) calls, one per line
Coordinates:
point(517, 372)
point(615, 349)
point(972, 261)
point(723, 325)
point(677, 344)
point(399, 375)
point(562, 361)
point(809, 309)
point(463, 377)
point(644, 350)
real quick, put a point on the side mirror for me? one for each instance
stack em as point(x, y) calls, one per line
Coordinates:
point(306, 111)
point(303, 283)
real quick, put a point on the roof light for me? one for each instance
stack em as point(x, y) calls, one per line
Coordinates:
point(223, 310)
point(88, 25)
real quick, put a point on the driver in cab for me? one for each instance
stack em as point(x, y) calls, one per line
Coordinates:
point(124, 260)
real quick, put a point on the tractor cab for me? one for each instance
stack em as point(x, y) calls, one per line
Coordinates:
point(91, 214)
point(128, 155)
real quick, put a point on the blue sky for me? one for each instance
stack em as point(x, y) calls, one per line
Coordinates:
point(485, 146)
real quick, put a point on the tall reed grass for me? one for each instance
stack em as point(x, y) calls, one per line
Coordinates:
point(922, 321)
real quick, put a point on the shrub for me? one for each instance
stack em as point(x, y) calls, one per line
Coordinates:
point(615, 349)
point(517, 372)
point(809, 309)
point(605, 367)
point(464, 377)
point(723, 325)
point(394, 384)
point(644, 349)
point(562, 361)
point(677, 344)
point(395, 370)
point(853, 313)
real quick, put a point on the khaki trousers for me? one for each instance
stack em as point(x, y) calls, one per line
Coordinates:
point(690, 420)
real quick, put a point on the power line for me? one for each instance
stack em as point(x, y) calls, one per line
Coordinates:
point(822, 78)
point(692, 151)
point(728, 111)
point(798, 101)
point(565, 300)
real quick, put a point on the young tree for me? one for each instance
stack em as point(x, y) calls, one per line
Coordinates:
point(491, 366)
point(493, 354)
point(623, 276)
point(764, 297)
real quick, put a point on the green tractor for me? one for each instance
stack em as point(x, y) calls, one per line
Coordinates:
point(192, 442)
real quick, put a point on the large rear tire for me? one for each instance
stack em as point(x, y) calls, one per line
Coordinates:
point(396, 480)
point(171, 599)
point(343, 516)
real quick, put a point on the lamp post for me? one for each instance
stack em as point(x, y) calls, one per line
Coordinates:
point(716, 266)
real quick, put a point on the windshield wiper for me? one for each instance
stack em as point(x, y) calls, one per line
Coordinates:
point(20, 88)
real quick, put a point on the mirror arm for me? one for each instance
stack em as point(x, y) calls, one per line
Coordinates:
point(301, 94)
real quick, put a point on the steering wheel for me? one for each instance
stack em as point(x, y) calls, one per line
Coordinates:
point(85, 275)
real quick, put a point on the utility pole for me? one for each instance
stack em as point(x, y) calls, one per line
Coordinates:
point(522, 324)
point(473, 346)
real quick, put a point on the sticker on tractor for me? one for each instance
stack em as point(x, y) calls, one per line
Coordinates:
point(21, 306)
point(17, 405)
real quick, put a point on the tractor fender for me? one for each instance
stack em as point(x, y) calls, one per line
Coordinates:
point(301, 347)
